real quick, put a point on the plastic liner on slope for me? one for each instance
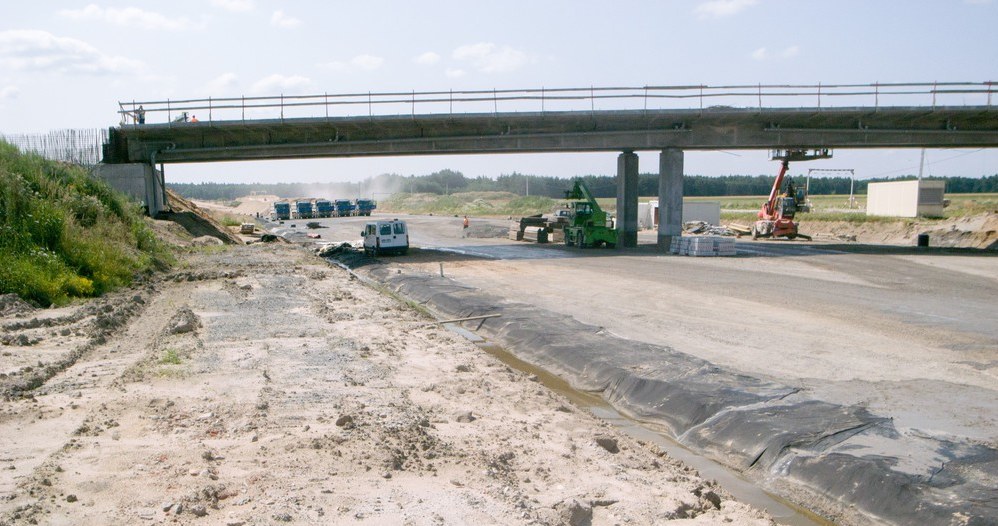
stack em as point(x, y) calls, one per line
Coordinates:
point(760, 427)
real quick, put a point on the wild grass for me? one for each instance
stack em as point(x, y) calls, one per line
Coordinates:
point(64, 234)
point(170, 357)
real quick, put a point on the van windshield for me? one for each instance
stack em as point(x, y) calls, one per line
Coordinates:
point(386, 230)
point(399, 228)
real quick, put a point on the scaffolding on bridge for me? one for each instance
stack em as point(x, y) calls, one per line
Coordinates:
point(83, 147)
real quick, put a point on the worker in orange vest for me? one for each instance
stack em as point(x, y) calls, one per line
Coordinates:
point(464, 230)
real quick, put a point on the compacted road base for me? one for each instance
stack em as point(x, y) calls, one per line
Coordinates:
point(260, 385)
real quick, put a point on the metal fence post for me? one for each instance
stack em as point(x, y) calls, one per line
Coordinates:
point(935, 85)
point(282, 107)
point(819, 95)
point(325, 100)
point(450, 106)
point(592, 99)
point(542, 99)
point(495, 103)
point(242, 106)
point(760, 96)
point(169, 113)
point(876, 96)
point(370, 110)
point(413, 104)
point(209, 110)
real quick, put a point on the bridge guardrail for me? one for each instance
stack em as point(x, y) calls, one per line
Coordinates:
point(702, 97)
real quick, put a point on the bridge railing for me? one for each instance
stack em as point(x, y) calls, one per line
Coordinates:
point(702, 97)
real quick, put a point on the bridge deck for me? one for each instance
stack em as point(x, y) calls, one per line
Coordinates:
point(714, 128)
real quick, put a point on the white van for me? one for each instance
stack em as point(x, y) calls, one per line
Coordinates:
point(386, 237)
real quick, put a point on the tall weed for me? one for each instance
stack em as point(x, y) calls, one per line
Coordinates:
point(64, 234)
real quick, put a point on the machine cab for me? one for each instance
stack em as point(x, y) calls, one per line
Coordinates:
point(386, 237)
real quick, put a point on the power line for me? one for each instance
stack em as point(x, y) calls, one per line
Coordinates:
point(964, 154)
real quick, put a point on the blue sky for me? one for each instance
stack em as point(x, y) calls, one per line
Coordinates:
point(67, 64)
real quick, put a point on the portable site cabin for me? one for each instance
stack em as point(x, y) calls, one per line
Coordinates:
point(905, 198)
point(707, 211)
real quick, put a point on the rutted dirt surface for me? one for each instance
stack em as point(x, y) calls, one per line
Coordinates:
point(259, 385)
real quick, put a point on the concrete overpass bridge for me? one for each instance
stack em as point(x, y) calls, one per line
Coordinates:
point(669, 119)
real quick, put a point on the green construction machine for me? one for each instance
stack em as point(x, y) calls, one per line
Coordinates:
point(588, 225)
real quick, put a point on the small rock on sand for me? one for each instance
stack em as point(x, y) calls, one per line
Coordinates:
point(608, 443)
point(464, 417)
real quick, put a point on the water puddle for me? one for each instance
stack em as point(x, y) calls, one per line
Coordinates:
point(782, 511)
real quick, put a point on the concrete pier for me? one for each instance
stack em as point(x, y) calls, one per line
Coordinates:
point(627, 200)
point(670, 196)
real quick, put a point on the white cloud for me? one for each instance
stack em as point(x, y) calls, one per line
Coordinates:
point(489, 58)
point(427, 59)
point(35, 50)
point(128, 17)
point(719, 8)
point(977, 2)
point(786, 54)
point(335, 65)
point(9, 92)
point(790, 52)
point(454, 73)
point(221, 85)
point(367, 62)
point(276, 84)
point(236, 6)
point(759, 54)
point(279, 19)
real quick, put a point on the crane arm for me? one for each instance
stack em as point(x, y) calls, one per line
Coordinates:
point(581, 191)
point(770, 206)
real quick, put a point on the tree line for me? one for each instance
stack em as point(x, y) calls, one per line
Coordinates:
point(446, 182)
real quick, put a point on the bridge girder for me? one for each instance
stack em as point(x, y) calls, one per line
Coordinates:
point(709, 129)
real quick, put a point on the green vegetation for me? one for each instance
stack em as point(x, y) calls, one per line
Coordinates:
point(228, 220)
point(64, 234)
point(446, 182)
point(170, 357)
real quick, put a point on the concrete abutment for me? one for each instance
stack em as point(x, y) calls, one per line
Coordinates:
point(139, 181)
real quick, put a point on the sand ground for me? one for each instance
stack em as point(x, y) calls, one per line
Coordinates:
point(259, 385)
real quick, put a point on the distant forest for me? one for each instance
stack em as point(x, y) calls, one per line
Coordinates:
point(450, 181)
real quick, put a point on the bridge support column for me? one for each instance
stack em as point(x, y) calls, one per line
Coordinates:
point(627, 200)
point(670, 197)
point(139, 181)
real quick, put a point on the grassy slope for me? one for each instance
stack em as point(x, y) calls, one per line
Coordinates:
point(64, 234)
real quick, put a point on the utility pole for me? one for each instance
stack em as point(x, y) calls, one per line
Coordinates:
point(527, 179)
point(921, 165)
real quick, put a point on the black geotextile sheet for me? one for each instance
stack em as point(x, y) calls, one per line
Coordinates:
point(842, 453)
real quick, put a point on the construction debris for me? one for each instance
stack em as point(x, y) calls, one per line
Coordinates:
point(537, 234)
point(705, 228)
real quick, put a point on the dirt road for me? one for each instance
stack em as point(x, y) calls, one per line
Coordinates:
point(258, 385)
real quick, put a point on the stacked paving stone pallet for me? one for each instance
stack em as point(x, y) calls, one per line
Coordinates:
point(702, 246)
